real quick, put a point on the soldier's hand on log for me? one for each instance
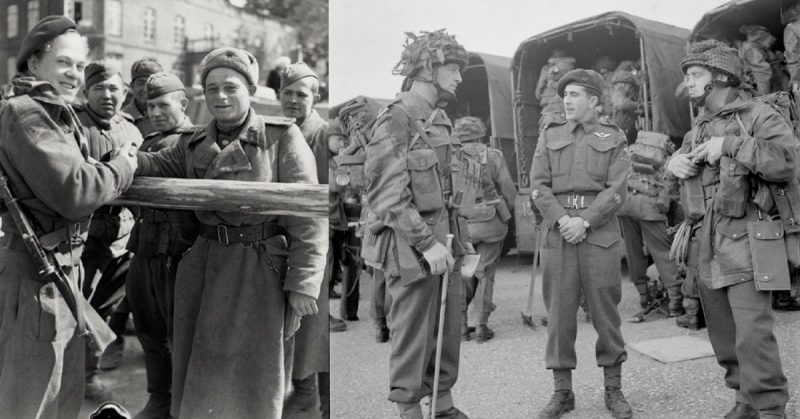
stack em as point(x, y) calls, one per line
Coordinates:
point(710, 151)
point(682, 166)
point(302, 304)
point(128, 154)
point(439, 259)
point(573, 230)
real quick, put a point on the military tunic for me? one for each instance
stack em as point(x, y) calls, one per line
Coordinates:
point(224, 366)
point(46, 159)
point(489, 229)
point(140, 119)
point(158, 241)
point(395, 173)
point(739, 318)
point(579, 170)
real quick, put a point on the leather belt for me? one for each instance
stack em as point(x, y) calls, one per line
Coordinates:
point(226, 235)
point(575, 201)
point(150, 215)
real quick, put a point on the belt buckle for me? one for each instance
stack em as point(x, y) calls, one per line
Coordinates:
point(575, 204)
point(222, 235)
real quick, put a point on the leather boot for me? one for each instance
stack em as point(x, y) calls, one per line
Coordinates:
point(783, 301)
point(112, 356)
point(561, 402)
point(157, 407)
point(675, 306)
point(336, 325)
point(690, 319)
point(466, 333)
point(742, 411)
point(616, 403)
point(381, 330)
point(324, 386)
point(483, 333)
point(303, 396)
point(645, 299)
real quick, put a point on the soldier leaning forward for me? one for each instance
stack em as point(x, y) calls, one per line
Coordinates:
point(236, 273)
point(578, 184)
point(45, 157)
point(749, 151)
point(488, 222)
point(417, 178)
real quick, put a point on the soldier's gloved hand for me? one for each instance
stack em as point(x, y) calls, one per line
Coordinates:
point(302, 304)
point(710, 151)
point(439, 259)
point(573, 230)
point(682, 166)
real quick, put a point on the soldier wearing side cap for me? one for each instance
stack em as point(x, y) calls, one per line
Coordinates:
point(488, 222)
point(578, 182)
point(105, 257)
point(158, 240)
point(228, 325)
point(310, 350)
point(45, 155)
point(137, 108)
point(418, 180)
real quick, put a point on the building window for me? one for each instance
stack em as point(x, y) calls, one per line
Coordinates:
point(33, 13)
point(180, 31)
point(77, 11)
point(69, 9)
point(11, 21)
point(150, 24)
point(114, 17)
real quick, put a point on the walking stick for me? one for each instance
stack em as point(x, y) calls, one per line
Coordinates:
point(440, 333)
point(527, 315)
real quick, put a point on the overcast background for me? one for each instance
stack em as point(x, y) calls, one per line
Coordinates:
point(366, 36)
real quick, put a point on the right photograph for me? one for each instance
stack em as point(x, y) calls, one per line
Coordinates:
point(582, 209)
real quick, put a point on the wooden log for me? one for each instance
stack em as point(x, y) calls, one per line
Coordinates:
point(228, 195)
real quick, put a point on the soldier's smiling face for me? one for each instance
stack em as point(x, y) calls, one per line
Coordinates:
point(579, 103)
point(297, 99)
point(448, 76)
point(62, 64)
point(105, 97)
point(227, 95)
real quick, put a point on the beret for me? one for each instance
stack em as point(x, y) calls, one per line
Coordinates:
point(234, 58)
point(144, 68)
point(295, 72)
point(41, 33)
point(97, 72)
point(589, 79)
point(159, 84)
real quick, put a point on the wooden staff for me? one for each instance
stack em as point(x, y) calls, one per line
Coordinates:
point(303, 200)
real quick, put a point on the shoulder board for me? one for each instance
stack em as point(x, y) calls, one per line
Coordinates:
point(278, 120)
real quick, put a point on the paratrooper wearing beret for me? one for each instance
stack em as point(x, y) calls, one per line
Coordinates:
point(578, 181)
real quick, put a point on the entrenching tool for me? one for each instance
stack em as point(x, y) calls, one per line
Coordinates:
point(527, 315)
point(440, 332)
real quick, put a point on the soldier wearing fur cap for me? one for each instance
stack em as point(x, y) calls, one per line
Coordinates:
point(45, 156)
point(242, 267)
point(578, 180)
point(734, 166)
point(418, 179)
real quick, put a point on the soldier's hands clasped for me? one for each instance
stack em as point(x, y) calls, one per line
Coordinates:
point(683, 166)
point(128, 154)
point(573, 230)
point(439, 259)
point(303, 305)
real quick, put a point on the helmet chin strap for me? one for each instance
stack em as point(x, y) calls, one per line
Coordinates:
point(445, 97)
point(701, 100)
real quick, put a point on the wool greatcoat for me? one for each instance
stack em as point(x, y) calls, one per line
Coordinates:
point(229, 304)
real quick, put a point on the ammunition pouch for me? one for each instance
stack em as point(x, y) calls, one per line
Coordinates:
point(787, 201)
point(649, 149)
point(375, 242)
point(485, 224)
point(644, 184)
point(502, 210)
point(734, 188)
point(768, 249)
point(426, 187)
point(350, 172)
point(466, 180)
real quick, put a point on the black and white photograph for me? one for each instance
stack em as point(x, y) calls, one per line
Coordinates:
point(163, 173)
point(578, 209)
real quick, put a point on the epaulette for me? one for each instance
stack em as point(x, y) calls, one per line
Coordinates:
point(278, 120)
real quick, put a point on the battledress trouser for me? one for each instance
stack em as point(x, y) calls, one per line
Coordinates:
point(480, 287)
point(41, 356)
point(591, 268)
point(413, 322)
point(653, 235)
point(740, 322)
point(150, 290)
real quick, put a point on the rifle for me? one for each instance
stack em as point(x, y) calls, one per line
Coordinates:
point(92, 326)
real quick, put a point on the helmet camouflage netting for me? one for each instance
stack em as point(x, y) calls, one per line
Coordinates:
point(469, 128)
point(424, 50)
point(717, 57)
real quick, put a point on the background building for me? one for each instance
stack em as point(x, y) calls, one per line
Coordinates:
point(177, 33)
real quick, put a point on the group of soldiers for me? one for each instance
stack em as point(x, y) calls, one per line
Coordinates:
point(422, 193)
point(196, 282)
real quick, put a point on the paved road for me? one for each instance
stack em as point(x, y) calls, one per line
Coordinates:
point(506, 377)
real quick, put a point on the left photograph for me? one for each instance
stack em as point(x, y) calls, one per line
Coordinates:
point(163, 176)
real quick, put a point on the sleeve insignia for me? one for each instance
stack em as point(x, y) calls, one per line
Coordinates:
point(602, 134)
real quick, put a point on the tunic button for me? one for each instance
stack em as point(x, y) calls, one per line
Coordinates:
point(225, 142)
